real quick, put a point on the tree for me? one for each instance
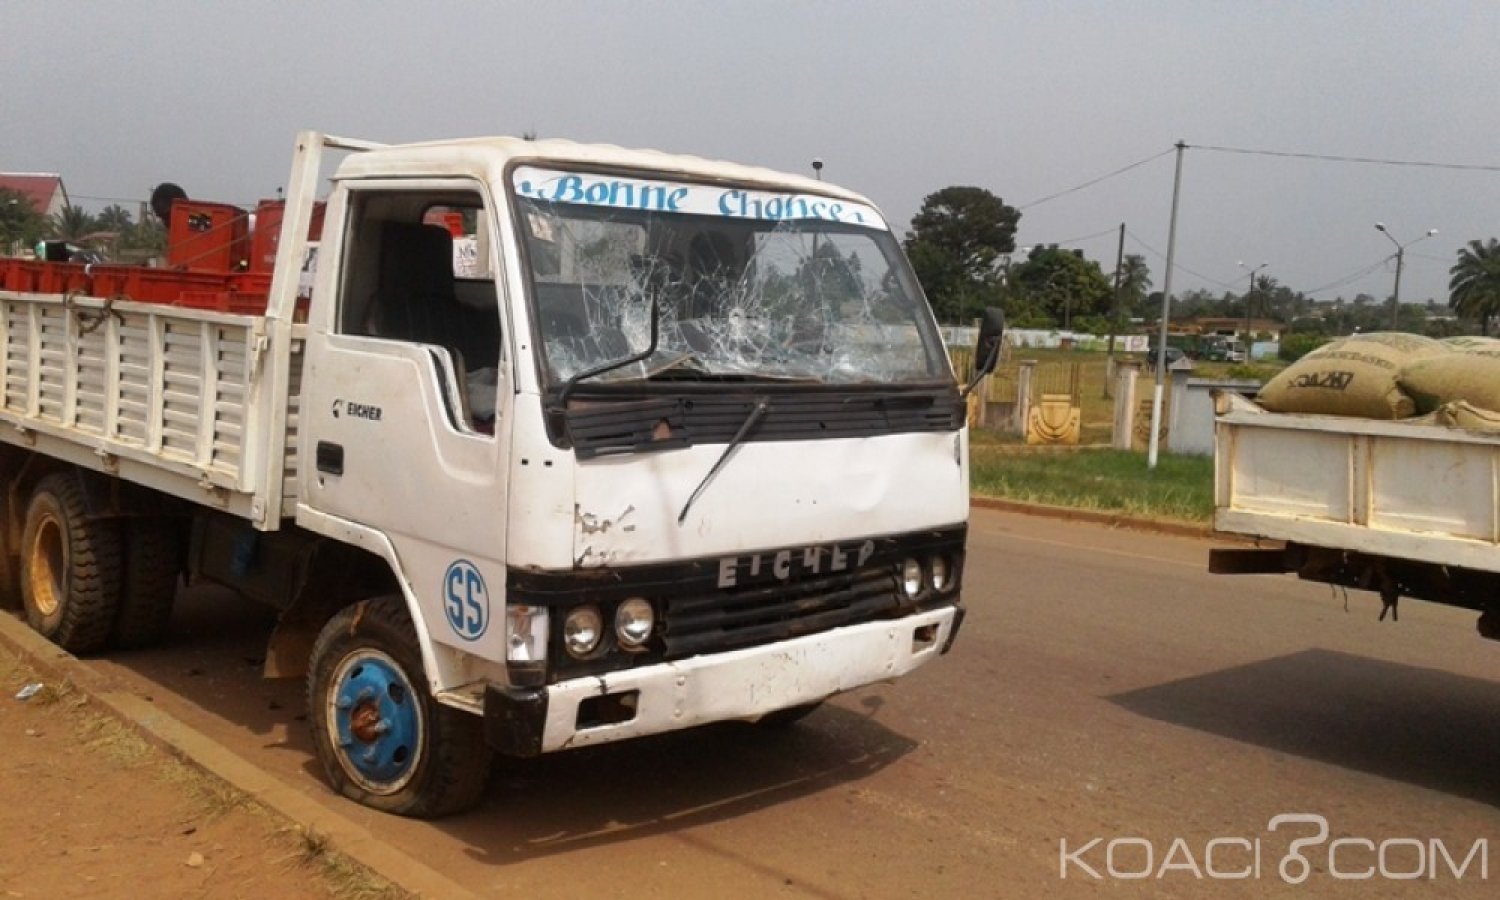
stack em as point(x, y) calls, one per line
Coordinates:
point(955, 244)
point(115, 218)
point(1474, 288)
point(1135, 280)
point(1063, 283)
point(72, 224)
point(19, 219)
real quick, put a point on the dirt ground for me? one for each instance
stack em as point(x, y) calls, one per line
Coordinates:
point(89, 809)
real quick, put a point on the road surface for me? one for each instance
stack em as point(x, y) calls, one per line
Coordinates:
point(1104, 687)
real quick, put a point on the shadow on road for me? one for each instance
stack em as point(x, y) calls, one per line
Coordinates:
point(635, 789)
point(1422, 726)
point(578, 798)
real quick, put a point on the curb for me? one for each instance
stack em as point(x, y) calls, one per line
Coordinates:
point(1098, 517)
point(217, 761)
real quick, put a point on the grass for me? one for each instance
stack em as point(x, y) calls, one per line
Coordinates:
point(1180, 487)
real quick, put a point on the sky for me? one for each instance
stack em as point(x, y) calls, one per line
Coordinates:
point(899, 99)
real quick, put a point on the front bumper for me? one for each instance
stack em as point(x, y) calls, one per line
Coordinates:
point(737, 684)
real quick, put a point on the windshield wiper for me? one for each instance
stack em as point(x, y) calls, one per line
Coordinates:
point(610, 366)
point(762, 405)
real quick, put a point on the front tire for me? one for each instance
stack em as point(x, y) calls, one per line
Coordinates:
point(70, 567)
point(381, 737)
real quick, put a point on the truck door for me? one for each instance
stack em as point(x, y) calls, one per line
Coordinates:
point(405, 407)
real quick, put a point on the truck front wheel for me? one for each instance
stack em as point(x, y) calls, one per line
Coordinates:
point(70, 567)
point(380, 736)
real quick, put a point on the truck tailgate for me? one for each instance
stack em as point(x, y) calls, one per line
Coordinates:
point(1401, 489)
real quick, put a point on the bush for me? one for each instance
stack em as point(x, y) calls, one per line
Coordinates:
point(1296, 346)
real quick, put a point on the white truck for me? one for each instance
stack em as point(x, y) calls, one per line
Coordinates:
point(663, 441)
point(1401, 508)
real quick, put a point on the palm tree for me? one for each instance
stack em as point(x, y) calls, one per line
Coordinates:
point(1135, 279)
point(114, 218)
point(1474, 289)
point(72, 224)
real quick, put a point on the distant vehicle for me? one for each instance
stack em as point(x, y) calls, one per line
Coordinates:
point(1225, 350)
point(1174, 356)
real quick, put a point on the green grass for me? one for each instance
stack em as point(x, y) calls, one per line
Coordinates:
point(1180, 487)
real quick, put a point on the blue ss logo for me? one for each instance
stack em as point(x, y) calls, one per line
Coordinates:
point(465, 600)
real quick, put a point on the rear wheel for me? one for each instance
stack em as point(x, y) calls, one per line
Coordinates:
point(70, 567)
point(152, 565)
point(380, 736)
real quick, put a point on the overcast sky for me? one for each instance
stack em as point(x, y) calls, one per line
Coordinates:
point(898, 98)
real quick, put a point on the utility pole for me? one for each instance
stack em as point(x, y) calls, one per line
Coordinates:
point(1114, 316)
point(1166, 313)
point(1400, 258)
point(1249, 292)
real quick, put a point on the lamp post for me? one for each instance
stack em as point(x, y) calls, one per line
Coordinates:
point(817, 165)
point(1400, 259)
point(1248, 293)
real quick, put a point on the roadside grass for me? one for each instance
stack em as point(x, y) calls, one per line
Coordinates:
point(1180, 487)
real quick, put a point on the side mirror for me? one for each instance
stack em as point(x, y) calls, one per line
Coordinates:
point(987, 348)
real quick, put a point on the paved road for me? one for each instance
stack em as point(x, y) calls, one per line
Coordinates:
point(1104, 686)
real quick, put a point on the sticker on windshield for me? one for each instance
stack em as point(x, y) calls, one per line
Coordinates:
point(618, 192)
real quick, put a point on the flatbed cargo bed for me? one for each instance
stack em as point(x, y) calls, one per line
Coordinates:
point(1398, 489)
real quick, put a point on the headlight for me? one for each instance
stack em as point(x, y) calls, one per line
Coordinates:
point(911, 577)
point(937, 569)
point(582, 630)
point(633, 623)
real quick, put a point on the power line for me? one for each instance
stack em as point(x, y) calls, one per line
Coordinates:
point(1223, 284)
point(1076, 240)
point(1372, 160)
point(1093, 181)
point(1352, 276)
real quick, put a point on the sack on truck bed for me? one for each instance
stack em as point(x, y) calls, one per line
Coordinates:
point(1472, 376)
point(1353, 376)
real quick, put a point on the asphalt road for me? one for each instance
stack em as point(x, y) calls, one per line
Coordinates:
point(1105, 686)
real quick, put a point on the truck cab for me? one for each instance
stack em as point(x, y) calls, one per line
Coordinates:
point(647, 441)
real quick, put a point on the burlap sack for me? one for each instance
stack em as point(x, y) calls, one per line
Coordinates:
point(1472, 376)
point(1353, 376)
point(1469, 343)
point(1466, 415)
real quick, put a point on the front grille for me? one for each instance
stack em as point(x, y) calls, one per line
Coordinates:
point(724, 620)
point(697, 614)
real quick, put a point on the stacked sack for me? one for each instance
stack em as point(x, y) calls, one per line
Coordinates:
point(1388, 375)
point(1469, 374)
point(1353, 376)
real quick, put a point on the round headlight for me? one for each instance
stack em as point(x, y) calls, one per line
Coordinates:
point(911, 577)
point(937, 568)
point(582, 630)
point(633, 623)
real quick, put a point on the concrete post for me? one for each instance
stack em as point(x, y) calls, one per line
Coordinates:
point(1127, 377)
point(1025, 369)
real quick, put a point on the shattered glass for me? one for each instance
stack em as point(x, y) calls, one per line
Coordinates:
point(739, 300)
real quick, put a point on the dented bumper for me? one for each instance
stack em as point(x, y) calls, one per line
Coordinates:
point(738, 684)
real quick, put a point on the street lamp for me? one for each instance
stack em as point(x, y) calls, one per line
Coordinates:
point(1400, 259)
point(817, 165)
point(1248, 294)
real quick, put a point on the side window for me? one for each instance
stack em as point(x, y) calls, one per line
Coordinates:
point(417, 270)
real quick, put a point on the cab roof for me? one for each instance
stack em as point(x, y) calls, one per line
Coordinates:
point(492, 154)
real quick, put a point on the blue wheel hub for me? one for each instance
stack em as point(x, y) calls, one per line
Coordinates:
point(376, 720)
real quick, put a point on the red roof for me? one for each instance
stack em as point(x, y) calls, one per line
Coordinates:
point(39, 187)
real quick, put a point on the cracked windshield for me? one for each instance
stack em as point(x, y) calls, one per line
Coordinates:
point(747, 285)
